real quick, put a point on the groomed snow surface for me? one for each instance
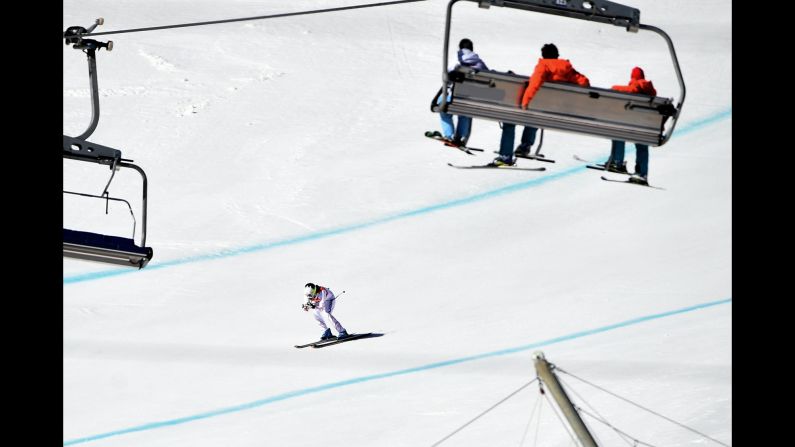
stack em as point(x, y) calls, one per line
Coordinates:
point(291, 150)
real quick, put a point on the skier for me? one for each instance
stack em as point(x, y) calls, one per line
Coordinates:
point(458, 136)
point(637, 84)
point(322, 300)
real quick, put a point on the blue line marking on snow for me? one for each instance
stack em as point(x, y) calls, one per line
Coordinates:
point(363, 379)
point(91, 276)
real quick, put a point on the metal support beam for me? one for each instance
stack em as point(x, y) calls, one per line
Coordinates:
point(603, 11)
point(544, 371)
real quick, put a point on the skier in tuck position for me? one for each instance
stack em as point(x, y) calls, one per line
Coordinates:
point(322, 299)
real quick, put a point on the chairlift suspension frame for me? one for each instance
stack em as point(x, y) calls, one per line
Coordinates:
point(559, 106)
point(93, 246)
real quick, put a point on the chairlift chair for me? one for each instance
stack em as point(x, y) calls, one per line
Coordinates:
point(94, 246)
point(595, 111)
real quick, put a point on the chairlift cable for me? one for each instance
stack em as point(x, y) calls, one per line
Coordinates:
point(560, 419)
point(620, 432)
point(530, 421)
point(483, 413)
point(571, 390)
point(272, 16)
point(644, 408)
point(538, 422)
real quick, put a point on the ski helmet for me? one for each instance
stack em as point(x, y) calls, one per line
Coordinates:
point(309, 290)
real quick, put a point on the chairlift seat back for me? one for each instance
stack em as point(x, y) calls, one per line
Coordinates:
point(567, 107)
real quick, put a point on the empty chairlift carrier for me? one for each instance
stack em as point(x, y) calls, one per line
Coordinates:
point(93, 246)
point(567, 107)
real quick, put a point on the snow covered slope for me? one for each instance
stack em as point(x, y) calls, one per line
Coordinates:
point(290, 150)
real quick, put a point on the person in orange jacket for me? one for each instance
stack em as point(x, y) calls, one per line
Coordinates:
point(640, 85)
point(548, 68)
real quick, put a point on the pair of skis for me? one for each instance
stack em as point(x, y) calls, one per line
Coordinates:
point(493, 166)
point(601, 167)
point(537, 157)
point(533, 156)
point(436, 136)
point(335, 340)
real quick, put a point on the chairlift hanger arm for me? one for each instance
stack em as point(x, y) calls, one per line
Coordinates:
point(73, 36)
point(82, 150)
point(679, 77)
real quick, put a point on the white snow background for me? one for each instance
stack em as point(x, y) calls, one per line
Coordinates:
point(291, 150)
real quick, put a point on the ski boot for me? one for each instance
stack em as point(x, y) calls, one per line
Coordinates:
point(503, 160)
point(620, 168)
point(521, 151)
point(639, 179)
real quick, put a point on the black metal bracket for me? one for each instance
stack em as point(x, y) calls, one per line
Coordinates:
point(593, 10)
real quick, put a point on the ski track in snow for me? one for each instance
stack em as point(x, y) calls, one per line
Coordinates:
point(158, 62)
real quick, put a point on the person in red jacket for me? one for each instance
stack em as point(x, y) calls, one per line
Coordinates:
point(548, 68)
point(637, 84)
point(640, 85)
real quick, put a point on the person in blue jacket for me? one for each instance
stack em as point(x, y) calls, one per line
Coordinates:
point(458, 135)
